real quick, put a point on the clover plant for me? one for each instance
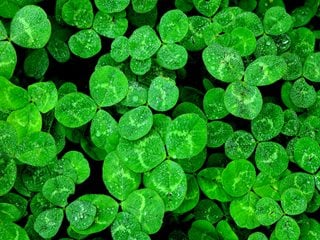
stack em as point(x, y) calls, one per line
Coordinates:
point(153, 119)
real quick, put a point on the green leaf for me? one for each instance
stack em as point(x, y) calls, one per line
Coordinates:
point(265, 46)
point(223, 63)
point(238, 177)
point(172, 56)
point(213, 107)
point(267, 185)
point(302, 42)
point(242, 210)
point(111, 6)
point(163, 94)
point(110, 26)
point(148, 208)
point(143, 6)
point(44, 95)
point(143, 154)
point(293, 201)
point(124, 225)
point(85, 43)
point(48, 222)
point(307, 154)
point(120, 49)
point(187, 136)
point(140, 67)
point(78, 13)
point(8, 59)
point(39, 204)
point(209, 180)
point(58, 189)
point(169, 181)
point(277, 21)
point(311, 69)
point(265, 70)
point(12, 96)
point(81, 214)
point(75, 110)
point(287, 228)
point(243, 100)
point(3, 31)
point(137, 94)
point(294, 66)
point(143, 43)
point(193, 164)
point(202, 229)
point(33, 178)
point(37, 149)
point(257, 236)
point(8, 139)
point(267, 211)
point(207, 8)
point(119, 183)
point(271, 158)
point(268, 123)
point(8, 174)
point(173, 26)
point(218, 133)
point(36, 63)
point(225, 230)
point(59, 50)
point(302, 94)
point(30, 27)
point(11, 230)
point(208, 210)
point(240, 145)
point(108, 85)
point(136, 123)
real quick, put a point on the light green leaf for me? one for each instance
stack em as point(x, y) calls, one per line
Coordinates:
point(78, 13)
point(8, 174)
point(8, 59)
point(268, 211)
point(48, 222)
point(111, 6)
point(172, 56)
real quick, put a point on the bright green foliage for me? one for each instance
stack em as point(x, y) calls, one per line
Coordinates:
point(187, 136)
point(249, 20)
point(202, 229)
point(8, 139)
point(85, 43)
point(173, 26)
point(268, 123)
point(223, 63)
point(143, 43)
point(108, 86)
point(309, 228)
point(293, 201)
point(287, 228)
point(81, 214)
point(8, 174)
point(265, 70)
point(243, 41)
point(59, 50)
point(11, 230)
point(192, 164)
point(8, 59)
point(110, 26)
point(30, 27)
point(37, 149)
point(111, 6)
point(140, 67)
point(294, 66)
point(147, 207)
point(48, 222)
point(104, 131)
point(58, 189)
point(265, 46)
point(120, 49)
point(143, 154)
point(170, 182)
point(271, 158)
point(267, 211)
point(307, 154)
point(243, 100)
point(257, 236)
point(3, 32)
point(311, 69)
point(78, 13)
point(163, 94)
point(218, 133)
point(135, 123)
point(240, 145)
point(224, 230)
point(75, 109)
point(238, 177)
point(242, 210)
point(143, 6)
point(207, 8)
point(122, 182)
point(36, 63)
point(137, 94)
point(302, 42)
point(291, 123)
point(172, 56)
point(188, 107)
point(208, 210)
point(277, 21)
point(213, 107)
point(124, 226)
point(106, 211)
point(302, 94)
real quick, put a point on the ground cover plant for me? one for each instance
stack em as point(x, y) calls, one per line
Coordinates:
point(146, 119)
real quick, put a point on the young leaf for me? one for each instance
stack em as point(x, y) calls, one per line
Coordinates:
point(78, 13)
point(75, 110)
point(223, 63)
point(135, 123)
point(120, 49)
point(30, 27)
point(108, 85)
point(148, 208)
point(143, 154)
point(140, 67)
point(243, 40)
point(163, 94)
point(173, 26)
point(238, 177)
point(277, 21)
point(85, 43)
point(137, 94)
point(287, 228)
point(243, 100)
point(8, 59)
point(267, 211)
point(48, 222)
point(169, 181)
point(111, 6)
point(119, 183)
point(187, 136)
point(213, 107)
